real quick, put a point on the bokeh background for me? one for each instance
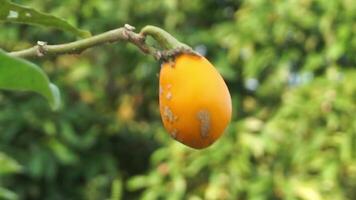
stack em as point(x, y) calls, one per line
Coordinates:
point(289, 65)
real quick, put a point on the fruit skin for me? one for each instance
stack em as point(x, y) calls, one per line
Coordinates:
point(195, 103)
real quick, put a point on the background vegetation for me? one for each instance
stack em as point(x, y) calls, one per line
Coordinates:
point(289, 65)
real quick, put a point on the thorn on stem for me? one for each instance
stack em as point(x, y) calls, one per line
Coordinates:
point(129, 27)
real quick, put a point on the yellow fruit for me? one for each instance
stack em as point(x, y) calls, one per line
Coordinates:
point(195, 103)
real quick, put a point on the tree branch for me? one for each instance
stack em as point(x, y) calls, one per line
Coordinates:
point(125, 33)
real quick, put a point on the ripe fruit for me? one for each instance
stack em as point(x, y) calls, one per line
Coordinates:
point(195, 103)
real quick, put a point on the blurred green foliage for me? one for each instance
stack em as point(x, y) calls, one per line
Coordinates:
point(290, 67)
point(16, 13)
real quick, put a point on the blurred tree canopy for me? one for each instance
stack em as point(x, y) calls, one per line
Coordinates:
point(289, 65)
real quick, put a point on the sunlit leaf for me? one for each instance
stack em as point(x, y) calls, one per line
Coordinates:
point(21, 75)
point(116, 189)
point(137, 182)
point(64, 154)
point(7, 194)
point(10, 12)
point(8, 165)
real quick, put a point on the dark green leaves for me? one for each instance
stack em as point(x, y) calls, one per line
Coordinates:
point(10, 12)
point(17, 74)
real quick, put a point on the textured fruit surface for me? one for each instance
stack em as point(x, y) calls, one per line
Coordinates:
point(195, 103)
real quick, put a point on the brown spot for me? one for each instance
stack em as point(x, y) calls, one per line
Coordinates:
point(204, 117)
point(168, 114)
point(174, 133)
point(169, 86)
point(169, 96)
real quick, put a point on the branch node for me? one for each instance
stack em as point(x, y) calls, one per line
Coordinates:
point(41, 48)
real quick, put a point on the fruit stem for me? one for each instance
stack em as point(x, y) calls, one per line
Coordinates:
point(165, 40)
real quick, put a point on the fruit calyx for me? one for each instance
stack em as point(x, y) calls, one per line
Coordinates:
point(171, 47)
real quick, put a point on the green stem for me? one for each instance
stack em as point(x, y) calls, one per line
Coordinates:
point(170, 45)
point(165, 40)
point(125, 34)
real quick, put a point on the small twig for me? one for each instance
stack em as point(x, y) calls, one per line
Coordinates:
point(124, 34)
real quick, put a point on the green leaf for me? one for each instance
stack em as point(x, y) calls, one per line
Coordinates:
point(7, 194)
point(10, 12)
point(21, 75)
point(116, 189)
point(63, 153)
point(137, 182)
point(8, 165)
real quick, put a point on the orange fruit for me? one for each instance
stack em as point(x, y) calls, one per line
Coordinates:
point(195, 103)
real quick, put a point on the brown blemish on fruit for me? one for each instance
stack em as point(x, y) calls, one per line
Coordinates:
point(204, 118)
point(169, 96)
point(170, 63)
point(168, 115)
point(174, 133)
